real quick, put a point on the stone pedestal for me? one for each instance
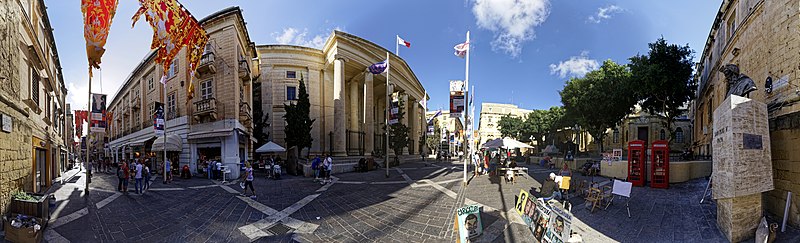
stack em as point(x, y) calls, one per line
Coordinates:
point(742, 165)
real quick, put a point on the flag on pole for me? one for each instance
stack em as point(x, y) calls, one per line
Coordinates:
point(379, 68)
point(461, 49)
point(438, 113)
point(97, 16)
point(402, 42)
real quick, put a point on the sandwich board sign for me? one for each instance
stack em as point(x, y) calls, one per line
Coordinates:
point(468, 222)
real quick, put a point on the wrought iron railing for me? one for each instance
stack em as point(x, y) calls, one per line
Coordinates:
point(355, 142)
point(205, 106)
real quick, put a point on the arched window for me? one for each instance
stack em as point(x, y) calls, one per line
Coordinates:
point(662, 135)
point(616, 135)
point(679, 135)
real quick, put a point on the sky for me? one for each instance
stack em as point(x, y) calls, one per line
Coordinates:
point(522, 51)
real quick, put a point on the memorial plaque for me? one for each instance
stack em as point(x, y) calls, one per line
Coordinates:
point(751, 141)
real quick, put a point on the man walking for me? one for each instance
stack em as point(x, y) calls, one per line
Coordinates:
point(315, 166)
point(327, 166)
point(138, 177)
point(167, 171)
point(146, 177)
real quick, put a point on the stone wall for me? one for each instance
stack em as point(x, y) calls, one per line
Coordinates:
point(785, 134)
point(15, 147)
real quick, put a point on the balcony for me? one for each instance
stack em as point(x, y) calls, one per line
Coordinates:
point(244, 113)
point(244, 70)
point(136, 103)
point(207, 64)
point(207, 107)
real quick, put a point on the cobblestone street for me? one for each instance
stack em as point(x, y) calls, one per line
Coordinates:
point(415, 203)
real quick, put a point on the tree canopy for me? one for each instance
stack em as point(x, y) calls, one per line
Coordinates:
point(298, 122)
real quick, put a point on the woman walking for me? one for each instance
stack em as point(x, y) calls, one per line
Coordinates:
point(248, 180)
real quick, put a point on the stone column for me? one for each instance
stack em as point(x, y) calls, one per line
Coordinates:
point(339, 113)
point(355, 119)
point(404, 97)
point(369, 115)
point(412, 124)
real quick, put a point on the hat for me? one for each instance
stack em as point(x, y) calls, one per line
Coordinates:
point(552, 175)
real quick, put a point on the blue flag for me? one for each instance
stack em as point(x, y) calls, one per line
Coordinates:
point(378, 68)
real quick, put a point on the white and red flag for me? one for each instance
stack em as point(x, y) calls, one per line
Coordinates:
point(461, 49)
point(402, 42)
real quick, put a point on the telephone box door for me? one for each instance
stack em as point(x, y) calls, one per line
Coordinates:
point(659, 177)
point(636, 162)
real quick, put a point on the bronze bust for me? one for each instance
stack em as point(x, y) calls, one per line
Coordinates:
point(738, 84)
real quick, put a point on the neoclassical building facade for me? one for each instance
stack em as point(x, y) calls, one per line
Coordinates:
point(347, 102)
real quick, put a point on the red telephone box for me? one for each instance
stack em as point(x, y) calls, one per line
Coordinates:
point(636, 162)
point(659, 169)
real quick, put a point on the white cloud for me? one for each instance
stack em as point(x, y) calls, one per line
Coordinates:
point(512, 21)
point(576, 66)
point(292, 36)
point(604, 13)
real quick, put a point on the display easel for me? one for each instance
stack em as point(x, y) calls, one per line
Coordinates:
point(623, 189)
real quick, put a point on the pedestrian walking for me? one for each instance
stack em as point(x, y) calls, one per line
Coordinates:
point(328, 167)
point(120, 177)
point(146, 177)
point(138, 177)
point(167, 171)
point(125, 177)
point(248, 180)
point(315, 166)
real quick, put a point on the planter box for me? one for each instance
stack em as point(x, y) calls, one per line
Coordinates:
point(39, 208)
point(22, 235)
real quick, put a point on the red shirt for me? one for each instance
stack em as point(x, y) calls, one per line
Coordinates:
point(126, 171)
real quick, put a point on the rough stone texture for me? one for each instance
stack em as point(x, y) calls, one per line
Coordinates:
point(15, 154)
point(738, 217)
point(738, 171)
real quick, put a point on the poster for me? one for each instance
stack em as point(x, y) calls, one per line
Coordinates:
point(558, 230)
point(430, 130)
point(395, 108)
point(547, 222)
point(617, 154)
point(468, 222)
point(158, 119)
point(97, 120)
point(456, 98)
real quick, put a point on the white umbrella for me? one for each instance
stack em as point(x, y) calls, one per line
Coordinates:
point(270, 147)
point(507, 143)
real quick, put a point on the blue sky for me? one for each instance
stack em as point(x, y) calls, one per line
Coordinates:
point(522, 51)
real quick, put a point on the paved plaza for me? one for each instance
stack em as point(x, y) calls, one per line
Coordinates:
point(415, 203)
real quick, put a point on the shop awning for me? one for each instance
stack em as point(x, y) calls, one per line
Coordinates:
point(270, 147)
point(210, 134)
point(140, 142)
point(173, 143)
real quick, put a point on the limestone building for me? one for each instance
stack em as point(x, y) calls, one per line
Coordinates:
point(490, 116)
point(761, 37)
point(215, 124)
point(641, 125)
point(32, 100)
point(347, 102)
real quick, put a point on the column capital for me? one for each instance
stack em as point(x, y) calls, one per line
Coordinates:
point(340, 57)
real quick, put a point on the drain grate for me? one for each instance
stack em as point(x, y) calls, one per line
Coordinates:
point(280, 229)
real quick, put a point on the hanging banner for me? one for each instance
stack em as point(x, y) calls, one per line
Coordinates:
point(468, 222)
point(395, 108)
point(430, 130)
point(456, 98)
point(97, 16)
point(158, 119)
point(97, 121)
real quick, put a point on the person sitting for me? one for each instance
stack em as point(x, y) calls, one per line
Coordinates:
point(362, 165)
point(549, 189)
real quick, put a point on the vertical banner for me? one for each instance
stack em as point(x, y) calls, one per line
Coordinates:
point(456, 98)
point(395, 108)
point(97, 120)
point(430, 130)
point(158, 119)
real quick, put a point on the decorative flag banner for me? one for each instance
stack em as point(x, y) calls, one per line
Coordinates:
point(97, 16)
point(109, 119)
point(402, 42)
point(430, 130)
point(379, 68)
point(461, 49)
point(438, 113)
point(158, 119)
point(98, 106)
point(456, 98)
point(395, 104)
point(80, 117)
point(174, 28)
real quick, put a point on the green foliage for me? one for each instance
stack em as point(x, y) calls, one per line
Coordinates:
point(298, 122)
point(665, 82)
point(539, 125)
point(398, 132)
point(511, 126)
point(600, 99)
point(23, 196)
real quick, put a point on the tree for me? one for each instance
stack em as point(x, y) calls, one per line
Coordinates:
point(261, 125)
point(298, 124)
point(432, 141)
point(600, 99)
point(665, 82)
point(510, 126)
point(541, 125)
point(398, 133)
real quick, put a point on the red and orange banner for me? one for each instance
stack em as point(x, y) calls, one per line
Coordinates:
point(174, 28)
point(97, 16)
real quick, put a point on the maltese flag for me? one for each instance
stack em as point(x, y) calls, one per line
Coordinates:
point(402, 42)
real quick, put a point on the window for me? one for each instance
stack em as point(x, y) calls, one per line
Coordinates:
point(291, 93)
point(206, 89)
point(150, 83)
point(679, 135)
point(291, 74)
point(171, 106)
point(173, 68)
point(616, 136)
point(662, 135)
point(731, 25)
point(35, 86)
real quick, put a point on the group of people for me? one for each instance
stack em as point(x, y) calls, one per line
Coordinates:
point(138, 170)
point(552, 187)
point(213, 169)
point(322, 169)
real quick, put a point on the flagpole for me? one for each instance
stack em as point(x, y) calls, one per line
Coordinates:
point(89, 132)
point(466, 113)
point(164, 119)
point(388, 96)
point(396, 47)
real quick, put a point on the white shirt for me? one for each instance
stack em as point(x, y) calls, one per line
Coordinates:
point(329, 163)
point(138, 171)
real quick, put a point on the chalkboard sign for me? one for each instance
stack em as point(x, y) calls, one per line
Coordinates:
point(751, 141)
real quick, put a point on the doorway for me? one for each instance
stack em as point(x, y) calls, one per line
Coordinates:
point(643, 134)
point(40, 158)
